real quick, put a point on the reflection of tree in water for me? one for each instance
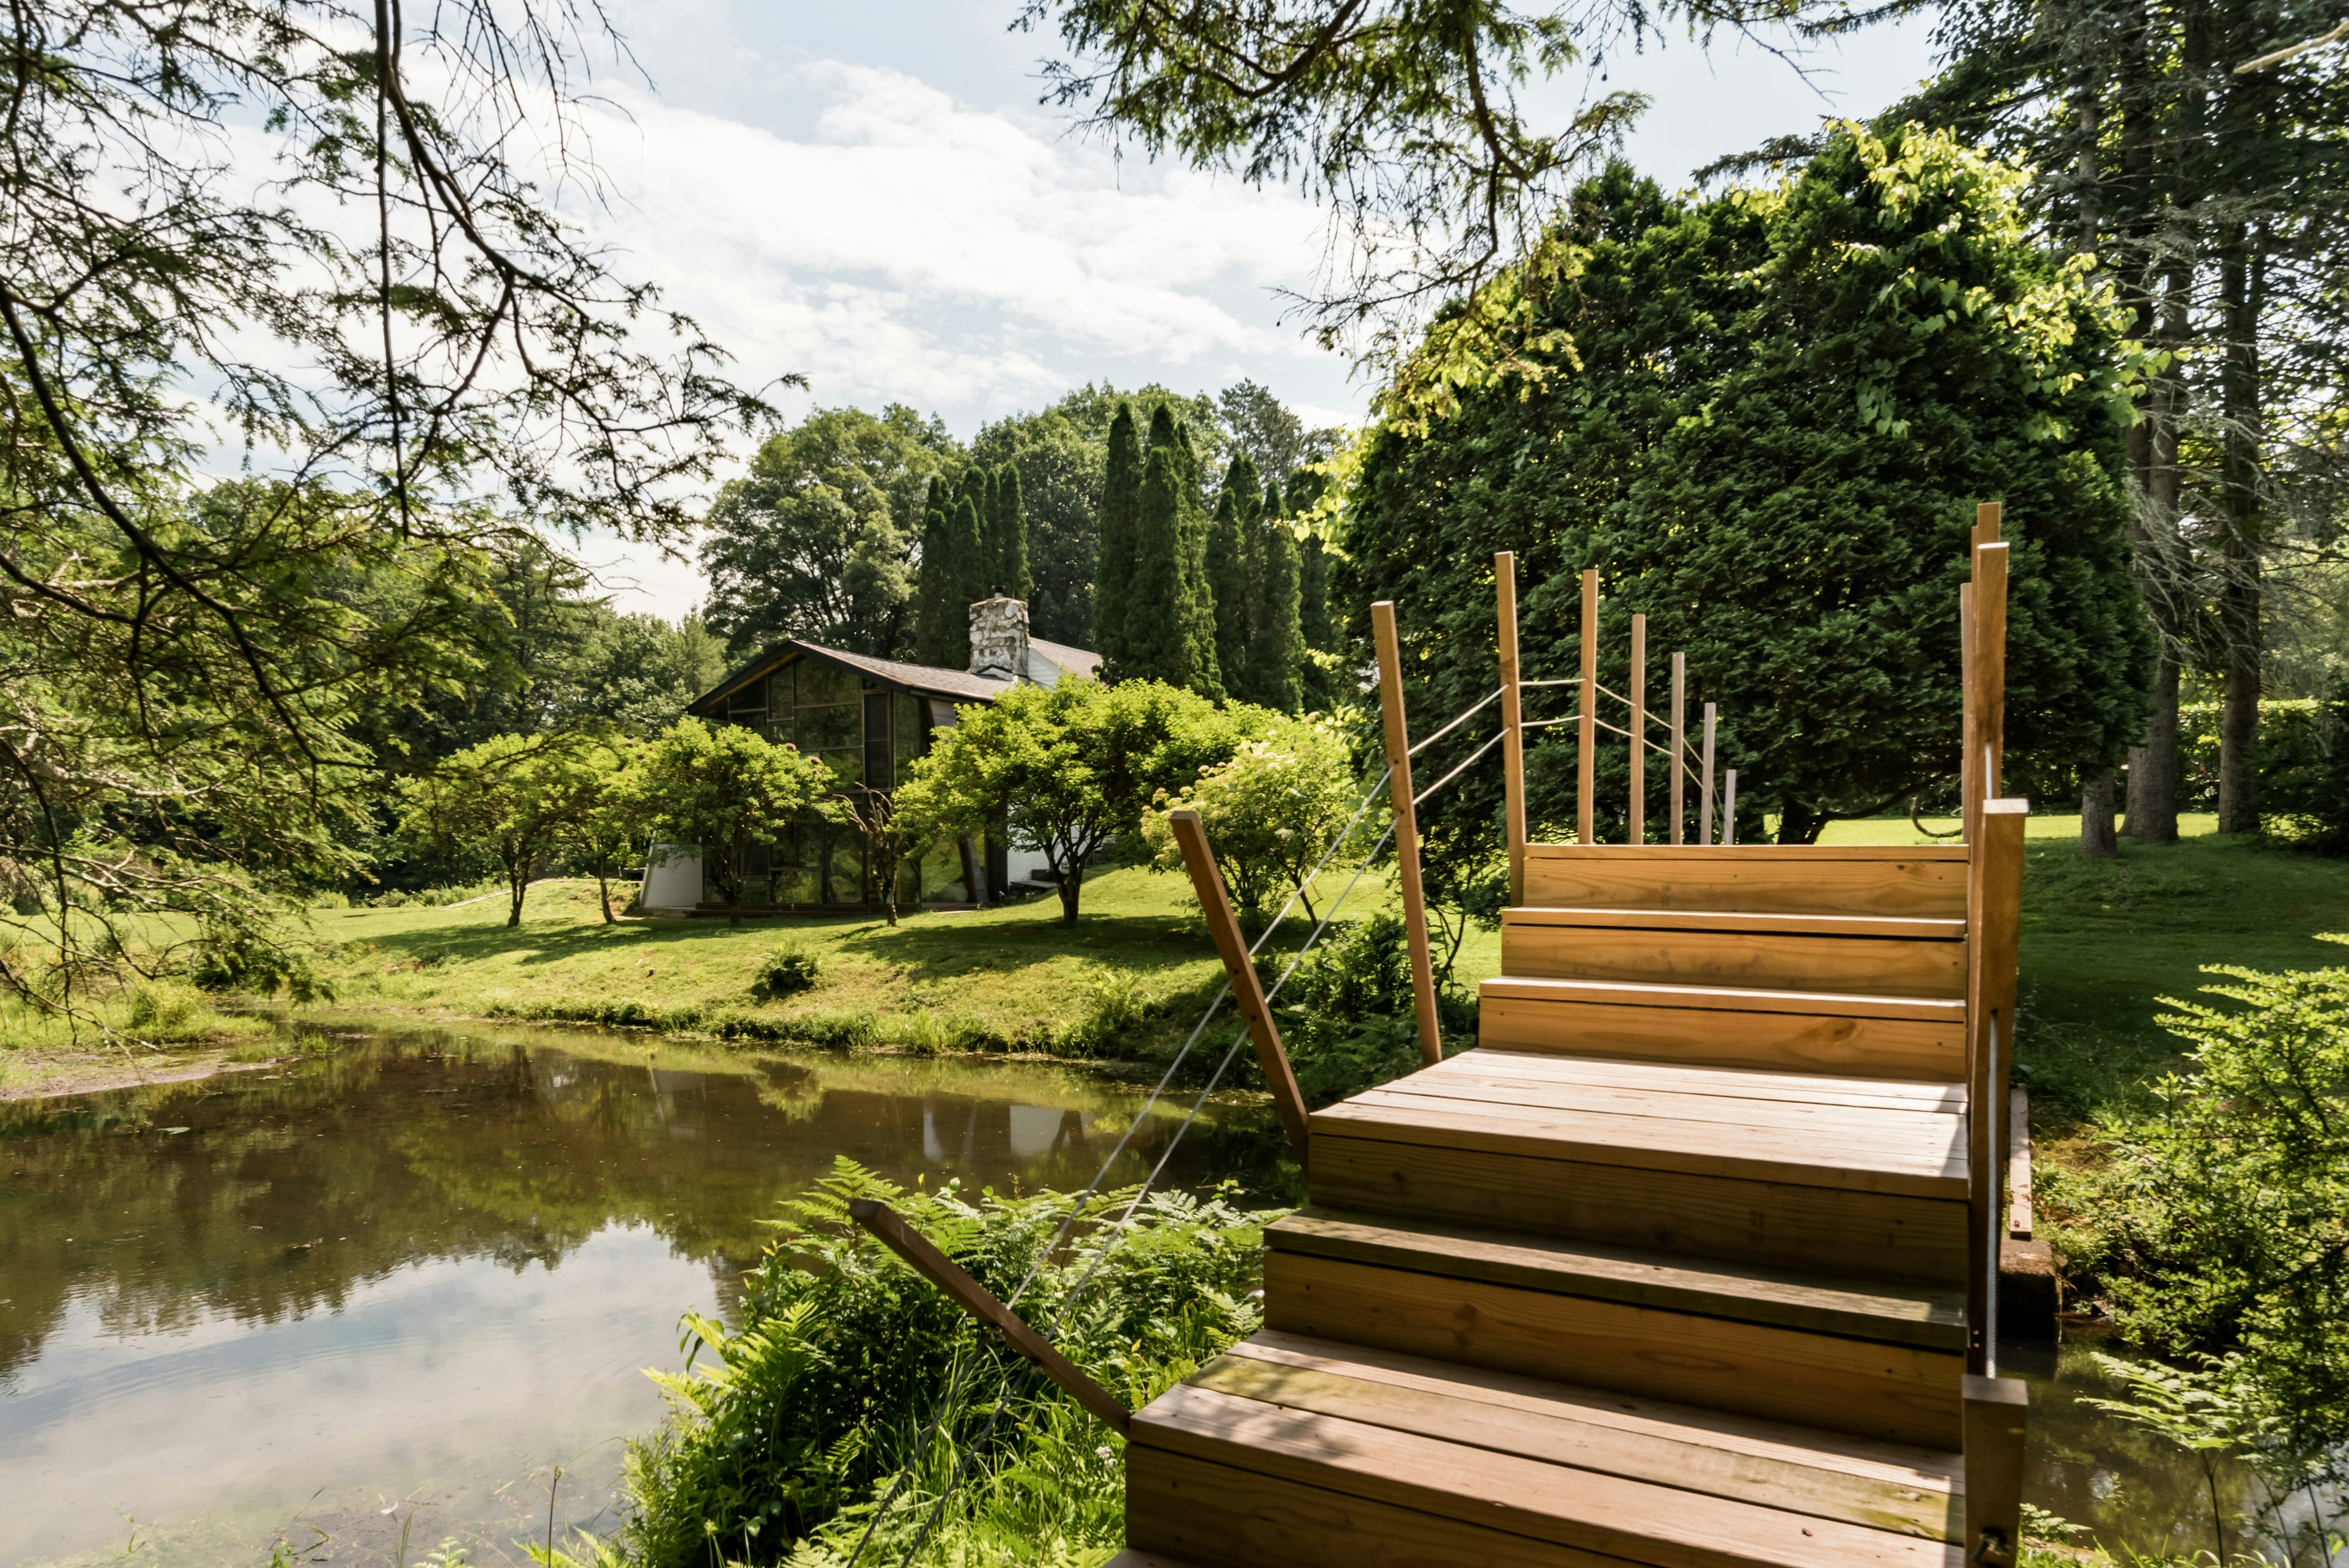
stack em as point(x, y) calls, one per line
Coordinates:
point(290, 1189)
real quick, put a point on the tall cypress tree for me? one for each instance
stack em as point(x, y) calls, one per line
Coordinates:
point(1227, 583)
point(1196, 603)
point(1276, 646)
point(1159, 643)
point(935, 585)
point(966, 556)
point(1006, 521)
point(1119, 505)
point(1313, 572)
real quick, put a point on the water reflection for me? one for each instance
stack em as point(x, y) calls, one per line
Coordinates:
point(425, 1263)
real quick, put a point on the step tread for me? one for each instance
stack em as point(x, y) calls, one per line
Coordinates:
point(1913, 926)
point(1910, 1153)
point(1725, 997)
point(1744, 1083)
point(1690, 1095)
point(1611, 1474)
point(1797, 853)
point(1904, 1314)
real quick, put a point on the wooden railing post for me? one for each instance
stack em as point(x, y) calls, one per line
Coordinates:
point(1639, 727)
point(1996, 1410)
point(1199, 859)
point(1990, 664)
point(1704, 784)
point(1585, 776)
point(1993, 926)
point(1513, 735)
point(1968, 729)
point(1406, 829)
point(975, 1299)
point(1679, 743)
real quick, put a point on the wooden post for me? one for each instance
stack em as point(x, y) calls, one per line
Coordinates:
point(1729, 807)
point(1994, 1426)
point(1638, 834)
point(1987, 518)
point(1989, 663)
point(1406, 830)
point(1968, 730)
point(975, 1299)
point(1704, 784)
point(1513, 735)
point(1199, 859)
point(1586, 761)
point(1679, 742)
point(1994, 925)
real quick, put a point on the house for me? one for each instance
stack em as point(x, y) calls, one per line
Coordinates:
point(867, 719)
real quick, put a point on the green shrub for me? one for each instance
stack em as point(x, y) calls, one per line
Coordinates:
point(1347, 1016)
point(2218, 1221)
point(786, 973)
point(794, 1426)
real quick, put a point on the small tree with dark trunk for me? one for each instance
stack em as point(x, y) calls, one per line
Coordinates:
point(729, 790)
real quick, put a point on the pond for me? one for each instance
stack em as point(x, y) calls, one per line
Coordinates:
point(371, 1296)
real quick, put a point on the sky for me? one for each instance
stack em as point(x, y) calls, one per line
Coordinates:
point(871, 196)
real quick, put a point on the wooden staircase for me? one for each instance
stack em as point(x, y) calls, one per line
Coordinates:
point(1681, 1266)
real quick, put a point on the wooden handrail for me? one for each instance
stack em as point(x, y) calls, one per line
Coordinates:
point(1207, 882)
point(892, 1232)
point(1638, 728)
point(1513, 741)
point(1586, 774)
point(1406, 830)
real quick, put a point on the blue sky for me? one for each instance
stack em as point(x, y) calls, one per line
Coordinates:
point(871, 196)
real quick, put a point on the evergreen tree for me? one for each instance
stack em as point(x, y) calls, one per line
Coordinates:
point(1276, 647)
point(1227, 584)
point(1313, 568)
point(1167, 637)
point(1120, 502)
point(1007, 543)
point(1198, 604)
point(966, 574)
point(935, 585)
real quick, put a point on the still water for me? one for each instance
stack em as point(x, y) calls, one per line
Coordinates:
point(381, 1291)
point(371, 1297)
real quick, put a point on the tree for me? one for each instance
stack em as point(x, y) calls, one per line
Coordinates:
point(1060, 454)
point(1067, 767)
point(815, 541)
point(1277, 656)
point(1780, 409)
point(1272, 812)
point(1007, 537)
point(1266, 433)
point(1121, 528)
point(729, 790)
point(1170, 612)
point(507, 798)
point(423, 363)
point(1228, 584)
point(602, 809)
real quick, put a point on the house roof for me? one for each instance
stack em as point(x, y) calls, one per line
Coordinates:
point(1082, 661)
point(929, 680)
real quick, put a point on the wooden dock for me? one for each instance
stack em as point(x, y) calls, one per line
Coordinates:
point(1684, 1265)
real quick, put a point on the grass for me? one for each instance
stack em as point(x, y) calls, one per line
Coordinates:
point(1133, 969)
point(131, 1034)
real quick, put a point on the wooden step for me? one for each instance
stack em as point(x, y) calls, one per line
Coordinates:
point(1914, 1038)
point(1739, 949)
point(1291, 1452)
point(1874, 1360)
point(1749, 1173)
point(1923, 881)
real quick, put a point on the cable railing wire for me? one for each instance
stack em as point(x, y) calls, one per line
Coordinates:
point(1474, 757)
point(1461, 718)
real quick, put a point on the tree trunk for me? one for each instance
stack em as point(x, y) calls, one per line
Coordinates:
point(2153, 766)
point(1799, 823)
point(2239, 588)
point(518, 884)
point(604, 888)
point(2097, 840)
point(1072, 885)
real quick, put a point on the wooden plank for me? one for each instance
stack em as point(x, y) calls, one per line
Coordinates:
point(1243, 1518)
point(1996, 893)
point(1791, 853)
point(1406, 829)
point(1929, 890)
point(1859, 1160)
point(1739, 998)
point(1922, 1315)
point(1912, 927)
point(1990, 667)
point(1936, 1471)
point(1555, 1437)
point(1897, 1393)
point(1819, 1087)
point(1897, 1048)
point(2018, 1164)
point(1512, 1496)
point(1841, 1230)
point(980, 1302)
point(1882, 966)
point(1239, 968)
point(1705, 782)
point(1513, 735)
point(1897, 1126)
point(1679, 748)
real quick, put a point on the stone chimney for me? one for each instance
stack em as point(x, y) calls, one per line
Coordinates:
point(999, 638)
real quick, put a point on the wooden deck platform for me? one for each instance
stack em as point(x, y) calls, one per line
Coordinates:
point(1671, 1270)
